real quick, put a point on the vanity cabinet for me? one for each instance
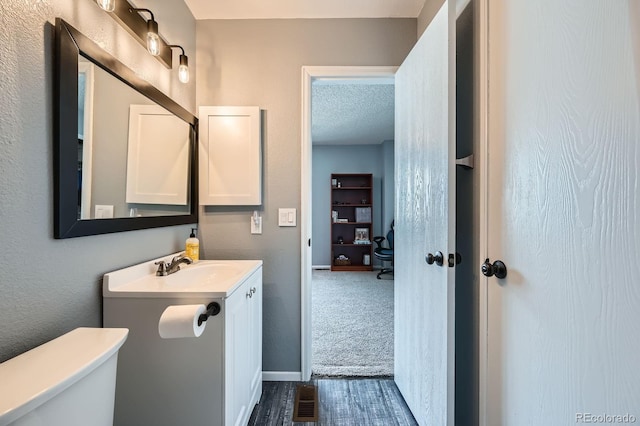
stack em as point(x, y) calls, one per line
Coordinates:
point(243, 351)
point(211, 380)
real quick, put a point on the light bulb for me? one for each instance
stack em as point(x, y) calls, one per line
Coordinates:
point(153, 44)
point(153, 39)
point(183, 69)
point(108, 5)
point(183, 73)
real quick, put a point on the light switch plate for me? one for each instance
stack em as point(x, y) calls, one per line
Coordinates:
point(287, 217)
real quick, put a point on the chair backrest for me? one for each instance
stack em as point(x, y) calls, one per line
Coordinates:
point(390, 237)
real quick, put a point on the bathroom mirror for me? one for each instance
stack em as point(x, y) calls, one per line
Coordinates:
point(125, 153)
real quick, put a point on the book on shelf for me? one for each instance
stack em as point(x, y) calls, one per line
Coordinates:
point(363, 214)
point(363, 242)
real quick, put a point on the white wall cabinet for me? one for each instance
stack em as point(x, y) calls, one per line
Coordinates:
point(230, 156)
point(157, 156)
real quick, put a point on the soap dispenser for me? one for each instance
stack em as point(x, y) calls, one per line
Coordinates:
point(192, 246)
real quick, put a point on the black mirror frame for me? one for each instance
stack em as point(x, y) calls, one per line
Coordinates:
point(69, 44)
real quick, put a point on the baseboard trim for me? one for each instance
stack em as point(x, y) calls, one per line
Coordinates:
point(281, 376)
point(327, 267)
point(320, 266)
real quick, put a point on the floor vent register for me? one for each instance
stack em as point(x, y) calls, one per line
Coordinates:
point(306, 404)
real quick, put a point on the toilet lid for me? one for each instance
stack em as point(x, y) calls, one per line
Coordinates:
point(34, 377)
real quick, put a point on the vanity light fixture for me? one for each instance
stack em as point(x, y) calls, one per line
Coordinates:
point(183, 68)
point(107, 5)
point(143, 31)
point(153, 39)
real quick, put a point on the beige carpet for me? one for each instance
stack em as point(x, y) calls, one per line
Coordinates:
point(352, 324)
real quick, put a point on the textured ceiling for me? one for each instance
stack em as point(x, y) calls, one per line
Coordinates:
point(279, 9)
point(352, 113)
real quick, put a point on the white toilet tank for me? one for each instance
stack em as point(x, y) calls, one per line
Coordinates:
point(69, 381)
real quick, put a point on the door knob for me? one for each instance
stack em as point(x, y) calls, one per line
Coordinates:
point(498, 268)
point(438, 258)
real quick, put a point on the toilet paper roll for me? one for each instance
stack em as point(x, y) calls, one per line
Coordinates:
point(181, 321)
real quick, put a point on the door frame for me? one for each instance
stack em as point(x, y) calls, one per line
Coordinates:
point(310, 74)
point(482, 136)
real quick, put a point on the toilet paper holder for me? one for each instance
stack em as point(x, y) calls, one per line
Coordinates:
point(213, 309)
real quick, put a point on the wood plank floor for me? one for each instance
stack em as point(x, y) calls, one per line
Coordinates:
point(342, 402)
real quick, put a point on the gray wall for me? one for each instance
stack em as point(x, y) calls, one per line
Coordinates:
point(429, 10)
point(47, 286)
point(110, 147)
point(258, 62)
point(328, 159)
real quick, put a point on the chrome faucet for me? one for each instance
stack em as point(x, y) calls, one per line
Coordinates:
point(165, 269)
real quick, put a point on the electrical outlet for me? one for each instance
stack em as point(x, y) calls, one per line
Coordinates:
point(103, 211)
point(256, 225)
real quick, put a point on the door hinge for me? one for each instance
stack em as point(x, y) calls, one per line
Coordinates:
point(466, 162)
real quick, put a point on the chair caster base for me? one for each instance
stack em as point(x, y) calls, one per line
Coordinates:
point(384, 271)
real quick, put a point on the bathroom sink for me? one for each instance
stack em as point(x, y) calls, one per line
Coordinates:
point(208, 278)
point(201, 274)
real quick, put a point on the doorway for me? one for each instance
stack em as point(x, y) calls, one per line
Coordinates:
point(445, 401)
point(309, 76)
point(352, 143)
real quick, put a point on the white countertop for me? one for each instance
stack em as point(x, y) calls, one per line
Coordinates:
point(206, 278)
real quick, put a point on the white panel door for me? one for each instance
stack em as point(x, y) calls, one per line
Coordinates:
point(563, 212)
point(425, 223)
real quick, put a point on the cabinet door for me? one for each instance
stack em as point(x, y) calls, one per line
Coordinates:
point(230, 156)
point(236, 397)
point(255, 339)
point(157, 157)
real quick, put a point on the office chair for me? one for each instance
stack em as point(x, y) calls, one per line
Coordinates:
point(385, 253)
